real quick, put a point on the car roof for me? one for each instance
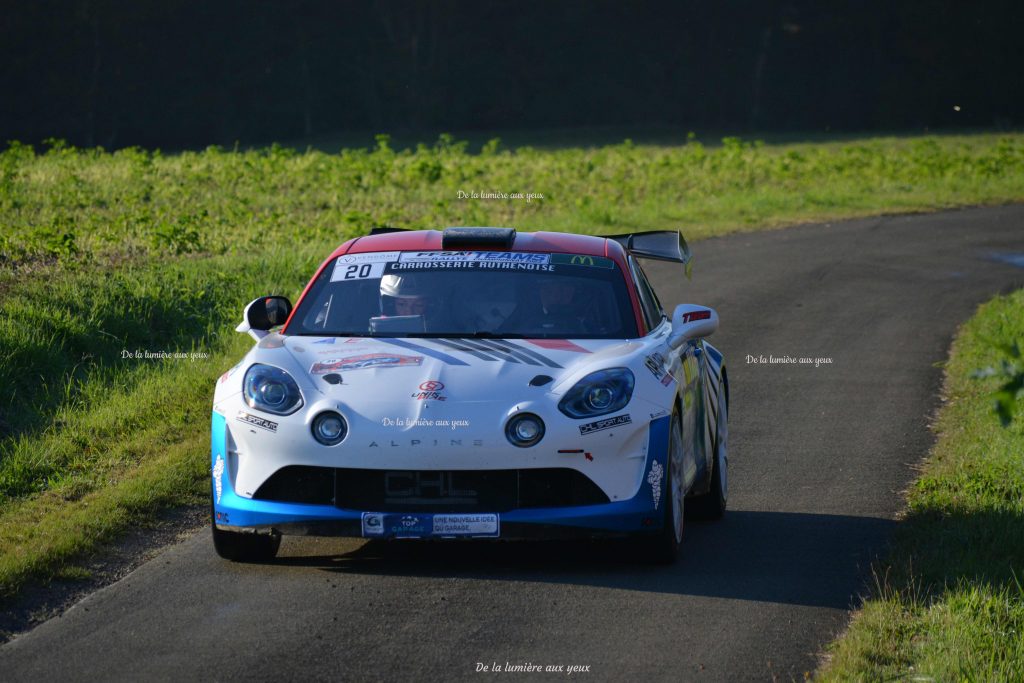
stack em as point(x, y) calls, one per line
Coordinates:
point(430, 240)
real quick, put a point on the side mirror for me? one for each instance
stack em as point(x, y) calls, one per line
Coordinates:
point(690, 321)
point(263, 314)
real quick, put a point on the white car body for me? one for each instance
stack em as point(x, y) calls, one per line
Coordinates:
point(441, 405)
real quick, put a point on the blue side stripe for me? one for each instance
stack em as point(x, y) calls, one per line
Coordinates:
point(450, 360)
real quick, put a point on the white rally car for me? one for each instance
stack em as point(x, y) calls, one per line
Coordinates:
point(473, 382)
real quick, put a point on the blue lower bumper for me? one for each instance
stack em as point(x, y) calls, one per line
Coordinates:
point(637, 515)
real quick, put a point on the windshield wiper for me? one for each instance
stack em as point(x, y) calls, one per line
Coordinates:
point(484, 334)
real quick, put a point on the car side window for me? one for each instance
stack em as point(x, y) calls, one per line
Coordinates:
point(648, 302)
point(646, 284)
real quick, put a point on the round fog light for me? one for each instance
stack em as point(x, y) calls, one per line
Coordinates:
point(329, 428)
point(524, 430)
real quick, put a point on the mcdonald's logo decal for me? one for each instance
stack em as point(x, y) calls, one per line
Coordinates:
point(582, 260)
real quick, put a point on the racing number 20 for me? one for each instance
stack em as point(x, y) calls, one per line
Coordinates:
point(358, 272)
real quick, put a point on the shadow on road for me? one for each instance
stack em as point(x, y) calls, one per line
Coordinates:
point(793, 558)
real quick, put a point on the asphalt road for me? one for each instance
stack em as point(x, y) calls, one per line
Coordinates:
point(819, 458)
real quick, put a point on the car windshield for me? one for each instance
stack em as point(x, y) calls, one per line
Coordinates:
point(466, 294)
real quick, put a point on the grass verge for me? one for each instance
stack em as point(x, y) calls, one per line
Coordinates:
point(106, 253)
point(949, 604)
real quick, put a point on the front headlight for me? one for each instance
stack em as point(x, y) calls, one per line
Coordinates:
point(271, 390)
point(599, 393)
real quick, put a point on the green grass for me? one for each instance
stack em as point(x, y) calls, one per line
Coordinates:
point(949, 605)
point(102, 253)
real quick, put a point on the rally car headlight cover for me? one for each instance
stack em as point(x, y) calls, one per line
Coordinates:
point(271, 390)
point(599, 393)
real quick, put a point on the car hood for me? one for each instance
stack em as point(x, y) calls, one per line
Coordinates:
point(440, 371)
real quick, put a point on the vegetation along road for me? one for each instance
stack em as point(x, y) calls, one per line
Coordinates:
point(112, 254)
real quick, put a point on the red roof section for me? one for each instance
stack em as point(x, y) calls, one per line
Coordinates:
point(430, 240)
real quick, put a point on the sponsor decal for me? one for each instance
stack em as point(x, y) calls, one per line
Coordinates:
point(660, 413)
point(606, 423)
point(465, 525)
point(362, 266)
point(426, 485)
point(430, 391)
point(380, 525)
point(478, 256)
point(582, 260)
point(366, 360)
point(257, 421)
point(654, 479)
point(218, 474)
point(413, 524)
point(696, 315)
point(656, 364)
point(371, 257)
point(373, 524)
point(472, 260)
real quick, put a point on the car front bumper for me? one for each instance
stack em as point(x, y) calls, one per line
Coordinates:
point(643, 513)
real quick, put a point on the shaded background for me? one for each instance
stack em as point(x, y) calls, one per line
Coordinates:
point(178, 73)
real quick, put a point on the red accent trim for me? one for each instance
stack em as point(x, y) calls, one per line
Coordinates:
point(570, 450)
point(558, 345)
point(340, 251)
point(430, 240)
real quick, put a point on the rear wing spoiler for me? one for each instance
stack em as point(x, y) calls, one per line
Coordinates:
point(660, 245)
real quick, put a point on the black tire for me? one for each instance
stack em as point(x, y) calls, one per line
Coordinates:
point(243, 547)
point(711, 505)
point(664, 547)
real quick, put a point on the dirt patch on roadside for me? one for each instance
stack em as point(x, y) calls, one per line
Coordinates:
point(39, 602)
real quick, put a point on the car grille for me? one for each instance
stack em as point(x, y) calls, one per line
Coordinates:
point(432, 491)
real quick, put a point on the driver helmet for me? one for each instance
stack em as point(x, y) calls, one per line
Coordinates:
point(403, 295)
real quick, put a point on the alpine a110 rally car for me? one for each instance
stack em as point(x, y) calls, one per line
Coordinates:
point(473, 382)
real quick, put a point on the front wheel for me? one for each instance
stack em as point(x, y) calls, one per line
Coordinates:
point(711, 505)
point(664, 548)
point(242, 547)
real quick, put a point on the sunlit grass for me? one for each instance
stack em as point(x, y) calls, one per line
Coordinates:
point(949, 605)
point(102, 253)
